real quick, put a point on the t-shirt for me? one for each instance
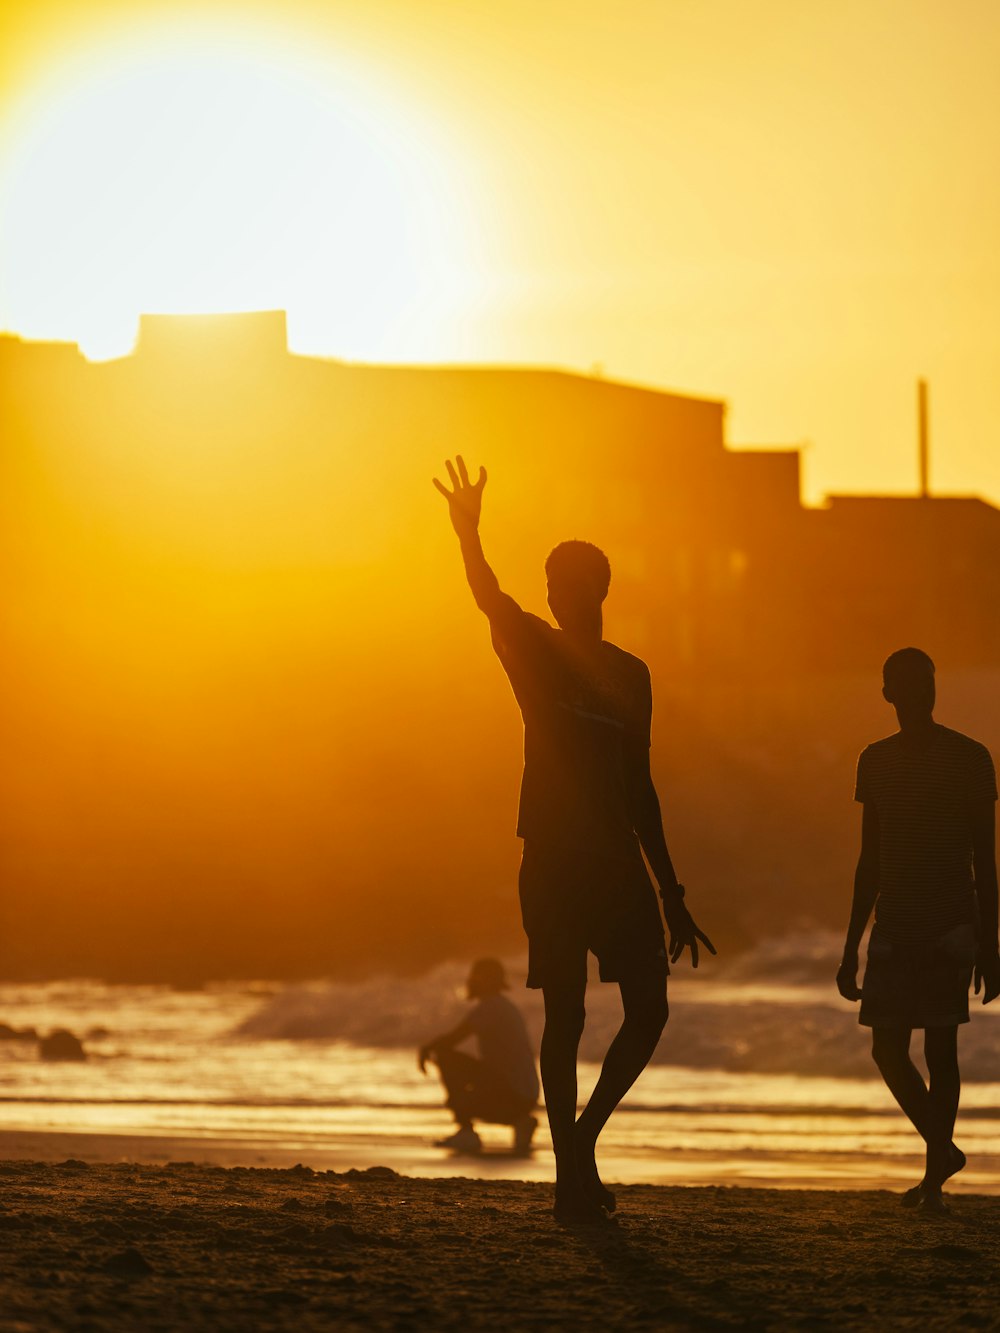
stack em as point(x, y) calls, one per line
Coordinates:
point(924, 800)
point(587, 716)
point(503, 1044)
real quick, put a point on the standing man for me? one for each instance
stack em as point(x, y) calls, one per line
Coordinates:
point(928, 867)
point(587, 806)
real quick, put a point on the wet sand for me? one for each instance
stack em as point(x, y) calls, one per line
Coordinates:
point(197, 1247)
point(415, 1155)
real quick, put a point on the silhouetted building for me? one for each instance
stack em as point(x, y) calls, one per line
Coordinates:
point(233, 624)
point(719, 568)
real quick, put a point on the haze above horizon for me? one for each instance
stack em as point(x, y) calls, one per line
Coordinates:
point(789, 207)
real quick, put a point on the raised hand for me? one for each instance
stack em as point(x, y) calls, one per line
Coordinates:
point(465, 499)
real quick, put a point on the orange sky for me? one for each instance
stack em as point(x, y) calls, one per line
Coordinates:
point(790, 205)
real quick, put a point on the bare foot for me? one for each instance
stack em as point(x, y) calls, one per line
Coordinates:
point(956, 1160)
point(942, 1167)
point(593, 1186)
point(954, 1163)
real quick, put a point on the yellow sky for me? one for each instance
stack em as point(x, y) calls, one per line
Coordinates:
point(788, 204)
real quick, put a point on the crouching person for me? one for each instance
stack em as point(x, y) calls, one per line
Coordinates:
point(500, 1086)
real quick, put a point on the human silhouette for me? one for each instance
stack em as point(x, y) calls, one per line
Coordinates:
point(501, 1086)
point(928, 868)
point(588, 810)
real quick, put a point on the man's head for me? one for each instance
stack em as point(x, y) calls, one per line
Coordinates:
point(486, 977)
point(908, 681)
point(579, 576)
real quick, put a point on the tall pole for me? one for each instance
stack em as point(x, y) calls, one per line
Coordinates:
point(925, 489)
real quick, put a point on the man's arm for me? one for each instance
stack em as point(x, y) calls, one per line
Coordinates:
point(984, 861)
point(444, 1043)
point(865, 893)
point(647, 819)
point(464, 506)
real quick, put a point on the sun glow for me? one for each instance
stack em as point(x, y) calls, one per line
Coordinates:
point(189, 175)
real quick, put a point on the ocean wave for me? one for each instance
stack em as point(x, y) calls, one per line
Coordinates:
point(797, 958)
point(726, 1019)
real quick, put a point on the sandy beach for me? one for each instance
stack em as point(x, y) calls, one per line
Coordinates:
point(184, 1245)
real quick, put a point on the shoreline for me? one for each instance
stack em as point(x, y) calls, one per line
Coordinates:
point(124, 1246)
point(419, 1159)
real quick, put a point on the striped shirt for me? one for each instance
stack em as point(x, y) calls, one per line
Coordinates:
point(924, 799)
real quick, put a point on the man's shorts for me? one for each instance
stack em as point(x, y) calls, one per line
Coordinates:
point(579, 900)
point(918, 985)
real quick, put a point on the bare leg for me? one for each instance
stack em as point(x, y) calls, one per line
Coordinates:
point(941, 1051)
point(564, 1017)
point(891, 1052)
point(645, 1005)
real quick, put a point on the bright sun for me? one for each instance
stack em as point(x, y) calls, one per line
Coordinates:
point(190, 177)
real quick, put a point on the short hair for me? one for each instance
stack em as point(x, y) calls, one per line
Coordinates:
point(580, 563)
point(905, 664)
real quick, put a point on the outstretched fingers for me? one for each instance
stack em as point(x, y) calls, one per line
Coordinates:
point(697, 935)
point(689, 940)
point(463, 473)
point(458, 475)
point(448, 495)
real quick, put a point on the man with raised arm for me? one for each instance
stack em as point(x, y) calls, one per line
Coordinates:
point(928, 868)
point(588, 811)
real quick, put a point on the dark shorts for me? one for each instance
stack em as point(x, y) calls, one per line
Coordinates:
point(918, 985)
point(578, 900)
